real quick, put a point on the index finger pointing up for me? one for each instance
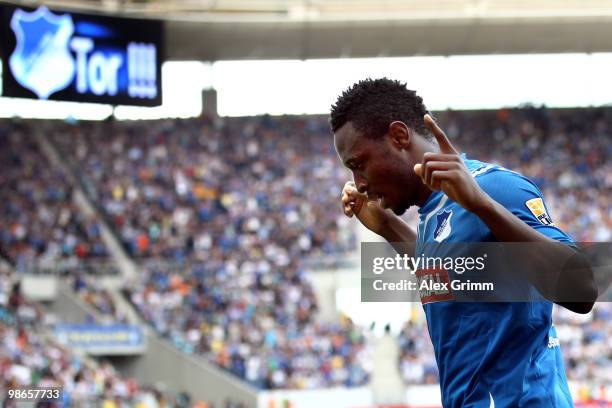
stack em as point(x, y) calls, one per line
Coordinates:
point(443, 142)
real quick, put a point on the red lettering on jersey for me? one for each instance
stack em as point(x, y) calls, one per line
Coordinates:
point(434, 285)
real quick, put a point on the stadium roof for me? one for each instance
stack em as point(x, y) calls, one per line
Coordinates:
point(212, 30)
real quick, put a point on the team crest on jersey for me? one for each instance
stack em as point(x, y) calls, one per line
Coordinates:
point(537, 208)
point(443, 225)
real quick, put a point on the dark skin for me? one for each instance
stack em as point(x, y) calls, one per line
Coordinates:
point(402, 157)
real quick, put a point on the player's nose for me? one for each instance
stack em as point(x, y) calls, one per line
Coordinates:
point(360, 183)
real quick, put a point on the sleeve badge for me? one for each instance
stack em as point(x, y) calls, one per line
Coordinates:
point(537, 208)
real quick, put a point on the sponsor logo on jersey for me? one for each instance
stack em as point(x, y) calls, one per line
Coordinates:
point(434, 285)
point(537, 208)
point(443, 225)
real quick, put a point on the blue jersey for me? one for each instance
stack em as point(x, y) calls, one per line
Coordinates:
point(501, 354)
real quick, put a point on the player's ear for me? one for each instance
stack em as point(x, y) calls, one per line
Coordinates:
point(400, 135)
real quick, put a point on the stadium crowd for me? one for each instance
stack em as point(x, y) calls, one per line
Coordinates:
point(40, 225)
point(221, 214)
point(97, 297)
point(257, 324)
point(29, 357)
point(417, 361)
point(176, 189)
point(201, 190)
point(586, 342)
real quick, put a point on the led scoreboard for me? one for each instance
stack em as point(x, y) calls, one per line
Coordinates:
point(58, 55)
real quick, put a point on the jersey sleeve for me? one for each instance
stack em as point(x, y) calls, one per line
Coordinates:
point(522, 198)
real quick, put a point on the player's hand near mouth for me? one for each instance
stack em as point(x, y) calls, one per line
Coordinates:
point(367, 209)
point(373, 216)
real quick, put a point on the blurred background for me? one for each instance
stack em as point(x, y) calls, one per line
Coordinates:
point(171, 232)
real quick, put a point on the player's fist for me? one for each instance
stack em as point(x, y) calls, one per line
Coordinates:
point(352, 200)
point(368, 211)
point(446, 171)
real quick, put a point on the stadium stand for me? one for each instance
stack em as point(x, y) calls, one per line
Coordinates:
point(232, 209)
point(97, 297)
point(30, 357)
point(39, 224)
point(170, 187)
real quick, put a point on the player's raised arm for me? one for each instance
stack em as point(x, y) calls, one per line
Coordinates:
point(446, 171)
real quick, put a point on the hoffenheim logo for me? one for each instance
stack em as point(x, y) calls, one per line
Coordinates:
point(41, 61)
point(443, 226)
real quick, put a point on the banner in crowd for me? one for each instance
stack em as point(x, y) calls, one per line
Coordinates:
point(98, 339)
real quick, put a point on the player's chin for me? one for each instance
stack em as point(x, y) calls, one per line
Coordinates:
point(398, 209)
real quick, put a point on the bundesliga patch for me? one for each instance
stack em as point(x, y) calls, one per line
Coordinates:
point(537, 208)
point(434, 285)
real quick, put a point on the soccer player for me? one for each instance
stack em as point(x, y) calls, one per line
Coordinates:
point(501, 353)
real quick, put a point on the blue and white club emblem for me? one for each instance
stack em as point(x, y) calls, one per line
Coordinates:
point(443, 225)
point(42, 61)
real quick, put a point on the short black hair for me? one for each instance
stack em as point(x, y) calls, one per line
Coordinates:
point(372, 104)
